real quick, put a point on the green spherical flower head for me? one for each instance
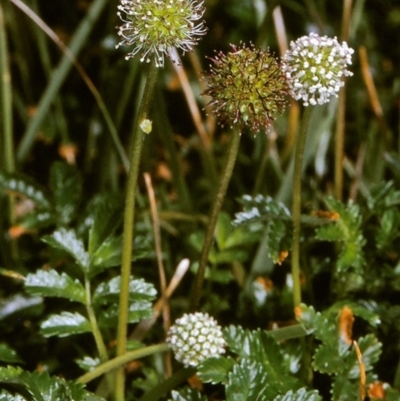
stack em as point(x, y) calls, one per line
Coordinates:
point(315, 67)
point(194, 338)
point(247, 87)
point(153, 27)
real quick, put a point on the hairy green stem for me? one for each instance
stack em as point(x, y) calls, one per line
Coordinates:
point(209, 237)
point(122, 360)
point(101, 348)
point(6, 121)
point(129, 219)
point(298, 162)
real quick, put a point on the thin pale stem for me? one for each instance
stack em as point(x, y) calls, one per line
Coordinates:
point(209, 237)
point(160, 264)
point(298, 162)
point(129, 219)
point(101, 348)
point(122, 360)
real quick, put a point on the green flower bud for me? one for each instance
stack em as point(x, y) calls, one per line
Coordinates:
point(153, 27)
point(315, 67)
point(247, 87)
point(194, 338)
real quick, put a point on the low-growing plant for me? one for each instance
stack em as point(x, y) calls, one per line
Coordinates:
point(199, 281)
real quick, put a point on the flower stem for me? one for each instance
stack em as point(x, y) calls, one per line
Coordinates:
point(209, 237)
point(298, 161)
point(101, 348)
point(129, 218)
point(339, 145)
point(122, 360)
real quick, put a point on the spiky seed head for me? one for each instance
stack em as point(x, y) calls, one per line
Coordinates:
point(247, 87)
point(153, 27)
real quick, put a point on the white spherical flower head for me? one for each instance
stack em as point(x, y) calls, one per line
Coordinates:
point(194, 338)
point(315, 67)
point(154, 27)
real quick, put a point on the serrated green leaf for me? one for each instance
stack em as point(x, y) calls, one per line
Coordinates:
point(66, 186)
point(21, 305)
point(261, 347)
point(246, 382)
point(327, 359)
point(344, 390)
point(258, 345)
point(370, 349)
point(108, 254)
point(300, 395)
point(137, 311)
point(360, 309)
point(8, 354)
point(27, 187)
point(276, 217)
point(329, 232)
point(345, 229)
point(67, 241)
point(278, 235)
point(389, 228)
point(65, 324)
point(215, 370)
point(139, 290)
point(187, 394)
point(45, 388)
point(260, 208)
point(9, 374)
point(4, 396)
point(38, 220)
point(52, 284)
point(88, 363)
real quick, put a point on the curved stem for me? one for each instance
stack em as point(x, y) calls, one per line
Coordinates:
point(129, 219)
point(122, 360)
point(209, 237)
point(298, 161)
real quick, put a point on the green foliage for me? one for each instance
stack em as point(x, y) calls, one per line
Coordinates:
point(259, 373)
point(336, 356)
point(61, 277)
point(27, 187)
point(65, 324)
point(66, 187)
point(215, 370)
point(8, 355)
point(42, 387)
point(276, 217)
point(67, 240)
point(347, 230)
point(52, 284)
point(4, 396)
point(300, 395)
point(140, 294)
point(187, 394)
point(59, 205)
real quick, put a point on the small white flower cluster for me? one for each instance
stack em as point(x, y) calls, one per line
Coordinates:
point(194, 338)
point(315, 67)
